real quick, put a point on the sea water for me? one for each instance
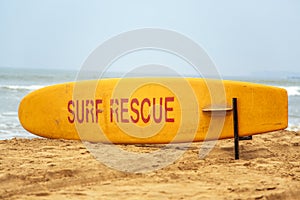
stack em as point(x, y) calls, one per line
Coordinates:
point(16, 83)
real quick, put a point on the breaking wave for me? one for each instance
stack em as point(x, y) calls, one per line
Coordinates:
point(292, 90)
point(21, 87)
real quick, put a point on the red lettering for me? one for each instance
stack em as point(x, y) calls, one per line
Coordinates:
point(145, 119)
point(89, 111)
point(98, 101)
point(72, 118)
point(133, 109)
point(82, 111)
point(112, 111)
point(157, 120)
point(168, 99)
point(124, 110)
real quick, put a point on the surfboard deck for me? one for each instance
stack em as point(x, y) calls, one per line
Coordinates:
point(152, 110)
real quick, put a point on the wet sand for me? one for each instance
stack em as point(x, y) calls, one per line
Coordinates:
point(269, 168)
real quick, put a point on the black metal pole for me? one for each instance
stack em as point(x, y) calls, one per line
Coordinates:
point(236, 128)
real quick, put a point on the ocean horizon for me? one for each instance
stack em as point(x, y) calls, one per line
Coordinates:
point(15, 83)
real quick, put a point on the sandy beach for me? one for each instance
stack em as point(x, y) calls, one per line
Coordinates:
point(269, 168)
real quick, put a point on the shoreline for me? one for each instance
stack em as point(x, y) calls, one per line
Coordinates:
point(38, 168)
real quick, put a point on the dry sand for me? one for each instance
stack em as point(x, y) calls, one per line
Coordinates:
point(269, 168)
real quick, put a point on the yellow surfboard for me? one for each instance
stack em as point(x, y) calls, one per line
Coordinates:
point(152, 110)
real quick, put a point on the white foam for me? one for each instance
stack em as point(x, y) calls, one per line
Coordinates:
point(10, 114)
point(293, 128)
point(294, 125)
point(3, 126)
point(292, 90)
point(21, 87)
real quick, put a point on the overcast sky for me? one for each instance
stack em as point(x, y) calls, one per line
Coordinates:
point(241, 37)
